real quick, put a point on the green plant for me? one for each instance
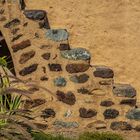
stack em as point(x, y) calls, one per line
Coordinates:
point(100, 136)
point(3, 61)
point(43, 136)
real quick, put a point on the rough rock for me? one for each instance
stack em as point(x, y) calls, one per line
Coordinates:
point(75, 68)
point(79, 78)
point(68, 98)
point(124, 90)
point(28, 70)
point(83, 91)
point(46, 56)
point(133, 114)
point(44, 78)
point(55, 67)
point(76, 54)
point(12, 23)
point(111, 113)
point(22, 45)
point(107, 103)
point(22, 4)
point(57, 34)
point(60, 82)
point(64, 47)
point(137, 128)
point(26, 56)
point(62, 124)
point(84, 113)
point(120, 126)
point(103, 72)
point(47, 113)
point(130, 102)
point(16, 37)
point(97, 124)
point(44, 23)
point(35, 14)
point(33, 103)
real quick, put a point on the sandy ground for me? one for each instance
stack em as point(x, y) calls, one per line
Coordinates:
point(110, 29)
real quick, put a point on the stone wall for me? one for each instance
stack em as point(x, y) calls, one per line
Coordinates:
point(83, 95)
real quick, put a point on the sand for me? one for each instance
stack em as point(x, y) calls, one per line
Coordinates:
point(108, 28)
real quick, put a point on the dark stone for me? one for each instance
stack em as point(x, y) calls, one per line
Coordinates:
point(62, 124)
point(107, 103)
point(60, 82)
point(35, 14)
point(76, 54)
point(79, 78)
point(44, 23)
point(44, 78)
point(33, 103)
point(120, 126)
point(16, 37)
point(28, 70)
point(12, 23)
point(103, 72)
point(36, 35)
point(137, 128)
point(22, 4)
point(75, 68)
point(124, 90)
point(55, 67)
point(44, 69)
point(84, 113)
point(68, 98)
point(57, 34)
point(130, 102)
point(41, 126)
point(14, 31)
point(46, 56)
point(22, 45)
point(111, 113)
point(26, 56)
point(1, 11)
point(83, 91)
point(64, 47)
point(133, 114)
point(47, 113)
point(25, 24)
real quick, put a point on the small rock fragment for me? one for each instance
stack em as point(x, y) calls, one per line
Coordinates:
point(111, 113)
point(26, 56)
point(55, 67)
point(120, 126)
point(76, 68)
point(84, 113)
point(124, 90)
point(28, 70)
point(68, 98)
point(60, 82)
point(103, 72)
point(107, 103)
point(57, 34)
point(79, 78)
point(76, 54)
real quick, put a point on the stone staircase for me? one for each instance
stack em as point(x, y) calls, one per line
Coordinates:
point(83, 97)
